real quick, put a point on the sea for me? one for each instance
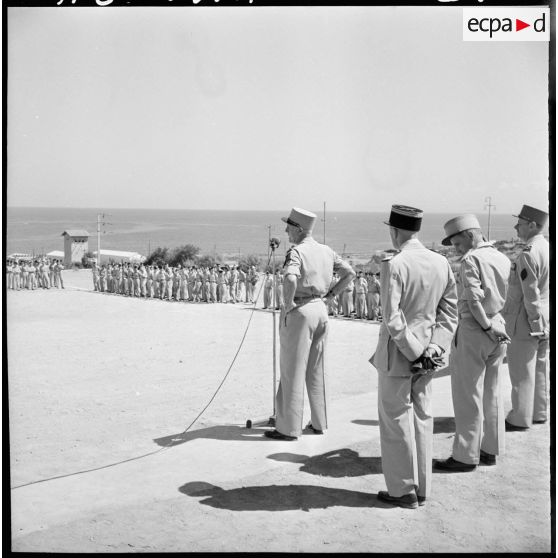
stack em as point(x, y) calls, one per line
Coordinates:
point(357, 235)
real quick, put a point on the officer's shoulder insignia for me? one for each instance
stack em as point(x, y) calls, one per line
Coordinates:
point(527, 248)
point(523, 274)
point(387, 258)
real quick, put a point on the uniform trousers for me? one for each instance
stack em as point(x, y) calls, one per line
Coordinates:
point(361, 305)
point(213, 291)
point(302, 337)
point(528, 367)
point(373, 300)
point(406, 432)
point(477, 401)
point(267, 302)
point(347, 302)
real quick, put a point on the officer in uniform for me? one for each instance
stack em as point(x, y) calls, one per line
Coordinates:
point(527, 319)
point(419, 302)
point(308, 271)
point(478, 347)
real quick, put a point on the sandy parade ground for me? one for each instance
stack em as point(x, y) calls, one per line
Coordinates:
point(102, 388)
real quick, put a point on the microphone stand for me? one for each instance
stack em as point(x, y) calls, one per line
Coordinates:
point(273, 312)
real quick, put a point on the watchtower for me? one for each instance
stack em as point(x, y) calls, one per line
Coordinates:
point(76, 244)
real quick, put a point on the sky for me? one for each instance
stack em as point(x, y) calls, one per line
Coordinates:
point(263, 108)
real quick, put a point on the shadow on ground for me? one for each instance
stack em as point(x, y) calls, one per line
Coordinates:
point(279, 498)
point(337, 463)
point(363, 422)
point(221, 432)
point(444, 425)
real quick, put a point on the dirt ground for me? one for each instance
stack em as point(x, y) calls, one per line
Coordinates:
point(102, 388)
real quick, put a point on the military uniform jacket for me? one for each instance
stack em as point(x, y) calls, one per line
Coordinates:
point(483, 277)
point(419, 301)
point(528, 291)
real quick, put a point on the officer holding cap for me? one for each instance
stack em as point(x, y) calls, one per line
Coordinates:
point(527, 319)
point(308, 272)
point(478, 347)
point(419, 304)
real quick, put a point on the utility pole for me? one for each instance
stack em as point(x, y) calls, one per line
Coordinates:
point(488, 203)
point(324, 220)
point(100, 222)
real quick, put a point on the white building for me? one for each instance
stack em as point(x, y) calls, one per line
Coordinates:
point(118, 256)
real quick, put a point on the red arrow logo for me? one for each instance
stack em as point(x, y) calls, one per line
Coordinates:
point(519, 25)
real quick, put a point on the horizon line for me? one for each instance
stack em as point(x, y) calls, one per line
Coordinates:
point(213, 209)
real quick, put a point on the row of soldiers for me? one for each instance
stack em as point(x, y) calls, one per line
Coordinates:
point(359, 299)
point(42, 273)
point(180, 283)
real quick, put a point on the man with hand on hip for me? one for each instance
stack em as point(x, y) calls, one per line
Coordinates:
point(308, 273)
point(478, 347)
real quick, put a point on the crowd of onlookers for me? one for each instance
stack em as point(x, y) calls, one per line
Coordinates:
point(41, 273)
point(227, 284)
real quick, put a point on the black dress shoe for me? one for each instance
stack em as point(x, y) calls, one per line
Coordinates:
point(487, 458)
point(543, 421)
point(513, 428)
point(421, 500)
point(314, 430)
point(451, 464)
point(407, 501)
point(276, 435)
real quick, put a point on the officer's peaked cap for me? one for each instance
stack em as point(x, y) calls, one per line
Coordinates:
point(405, 217)
point(532, 214)
point(301, 218)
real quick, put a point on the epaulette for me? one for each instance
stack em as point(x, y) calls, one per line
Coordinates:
point(388, 258)
point(527, 248)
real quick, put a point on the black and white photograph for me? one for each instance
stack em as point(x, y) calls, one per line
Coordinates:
point(278, 277)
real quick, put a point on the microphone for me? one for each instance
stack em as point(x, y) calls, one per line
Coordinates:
point(274, 243)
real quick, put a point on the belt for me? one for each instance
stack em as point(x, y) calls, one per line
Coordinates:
point(304, 299)
point(469, 315)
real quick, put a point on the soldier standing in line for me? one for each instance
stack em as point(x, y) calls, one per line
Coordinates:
point(268, 290)
point(33, 275)
point(347, 299)
point(361, 289)
point(332, 300)
point(142, 274)
point(527, 315)
point(58, 267)
point(279, 301)
point(159, 280)
point(251, 284)
point(373, 297)
point(24, 275)
point(9, 274)
point(103, 278)
point(46, 273)
point(303, 327)
point(419, 302)
point(241, 290)
point(233, 283)
point(51, 273)
point(212, 285)
point(478, 347)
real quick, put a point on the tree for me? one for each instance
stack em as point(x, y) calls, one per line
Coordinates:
point(182, 254)
point(209, 260)
point(250, 260)
point(159, 256)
